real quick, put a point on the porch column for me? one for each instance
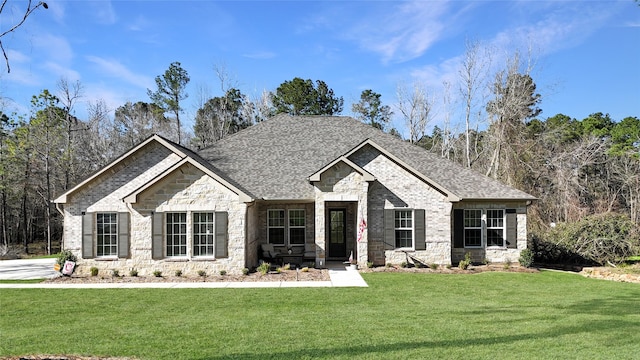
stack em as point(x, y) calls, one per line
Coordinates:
point(362, 237)
point(320, 222)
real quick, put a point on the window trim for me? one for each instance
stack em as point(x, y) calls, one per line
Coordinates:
point(481, 228)
point(116, 235)
point(210, 233)
point(290, 227)
point(283, 227)
point(412, 228)
point(185, 234)
point(503, 227)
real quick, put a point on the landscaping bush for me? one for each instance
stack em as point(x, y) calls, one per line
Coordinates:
point(63, 256)
point(264, 268)
point(526, 259)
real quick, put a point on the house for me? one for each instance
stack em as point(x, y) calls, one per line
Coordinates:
point(326, 187)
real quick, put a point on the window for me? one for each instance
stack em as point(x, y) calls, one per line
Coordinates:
point(203, 234)
point(495, 228)
point(176, 234)
point(473, 228)
point(107, 234)
point(404, 228)
point(296, 227)
point(275, 225)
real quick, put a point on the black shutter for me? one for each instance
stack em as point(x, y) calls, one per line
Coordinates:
point(87, 235)
point(458, 228)
point(419, 227)
point(389, 229)
point(512, 229)
point(221, 234)
point(157, 240)
point(123, 235)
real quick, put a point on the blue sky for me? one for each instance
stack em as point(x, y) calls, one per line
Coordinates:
point(586, 53)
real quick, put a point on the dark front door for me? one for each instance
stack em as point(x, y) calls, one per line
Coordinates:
point(337, 233)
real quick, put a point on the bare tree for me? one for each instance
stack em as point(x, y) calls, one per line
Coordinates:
point(28, 11)
point(475, 65)
point(68, 94)
point(415, 106)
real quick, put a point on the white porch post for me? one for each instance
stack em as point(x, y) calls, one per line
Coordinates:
point(362, 240)
point(320, 222)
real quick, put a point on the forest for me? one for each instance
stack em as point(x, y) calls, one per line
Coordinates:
point(577, 168)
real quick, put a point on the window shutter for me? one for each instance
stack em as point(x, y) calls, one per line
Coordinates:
point(157, 240)
point(458, 228)
point(419, 226)
point(87, 236)
point(512, 229)
point(221, 234)
point(123, 235)
point(389, 229)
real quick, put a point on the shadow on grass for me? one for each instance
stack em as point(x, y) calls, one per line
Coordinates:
point(379, 351)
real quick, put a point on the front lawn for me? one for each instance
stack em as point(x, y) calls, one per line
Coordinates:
point(548, 315)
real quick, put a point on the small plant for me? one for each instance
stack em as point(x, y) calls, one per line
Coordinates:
point(133, 272)
point(178, 273)
point(202, 273)
point(305, 269)
point(312, 264)
point(115, 273)
point(526, 258)
point(157, 273)
point(486, 261)
point(286, 267)
point(464, 264)
point(388, 265)
point(433, 266)
point(223, 272)
point(264, 268)
point(507, 265)
point(448, 266)
point(279, 270)
point(404, 264)
point(369, 264)
point(245, 271)
point(94, 271)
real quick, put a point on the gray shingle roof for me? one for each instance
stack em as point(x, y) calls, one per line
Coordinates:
point(274, 159)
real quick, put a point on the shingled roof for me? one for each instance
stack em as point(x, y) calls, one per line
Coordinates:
point(274, 159)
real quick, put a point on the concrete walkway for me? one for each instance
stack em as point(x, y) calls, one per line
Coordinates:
point(340, 276)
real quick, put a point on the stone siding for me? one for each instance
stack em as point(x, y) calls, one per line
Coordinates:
point(185, 190)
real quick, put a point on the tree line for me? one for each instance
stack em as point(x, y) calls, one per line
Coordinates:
point(574, 167)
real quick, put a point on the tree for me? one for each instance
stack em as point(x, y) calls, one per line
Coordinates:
point(171, 90)
point(371, 111)
point(28, 11)
point(136, 122)
point(415, 106)
point(302, 97)
point(219, 117)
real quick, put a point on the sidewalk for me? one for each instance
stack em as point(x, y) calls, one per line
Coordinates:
point(340, 276)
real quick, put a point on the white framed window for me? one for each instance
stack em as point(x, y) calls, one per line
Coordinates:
point(106, 234)
point(276, 226)
point(203, 234)
point(404, 229)
point(473, 228)
point(297, 227)
point(176, 234)
point(495, 227)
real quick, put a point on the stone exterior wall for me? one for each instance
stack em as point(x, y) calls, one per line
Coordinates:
point(185, 190)
point(494, 254)
point(395, 187)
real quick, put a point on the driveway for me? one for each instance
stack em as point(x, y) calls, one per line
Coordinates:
point(27, 269)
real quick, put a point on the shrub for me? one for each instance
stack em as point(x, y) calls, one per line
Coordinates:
point(286, 267)
point(245, 271)
point(202, 273)
point(404, 264)
point(433, 266)
point(223, 272)
point(526, 258)
point(370, 264)
point(157, 273)
point(264, 268)
point(133, 272)
point(94, 271)
point(178, 273)
point(115, 273)
point(464, 264)
point(64, 256)
point(596, 239)
point(305, 269)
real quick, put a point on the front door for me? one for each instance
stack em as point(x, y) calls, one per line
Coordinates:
point(337, 233)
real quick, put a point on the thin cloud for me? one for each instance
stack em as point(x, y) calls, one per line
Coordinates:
point(260, 55)
point(403, 34)
point(104, 12)
point(119, 71)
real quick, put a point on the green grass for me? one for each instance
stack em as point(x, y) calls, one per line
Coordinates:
point(33, 281)
point(549, 315)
